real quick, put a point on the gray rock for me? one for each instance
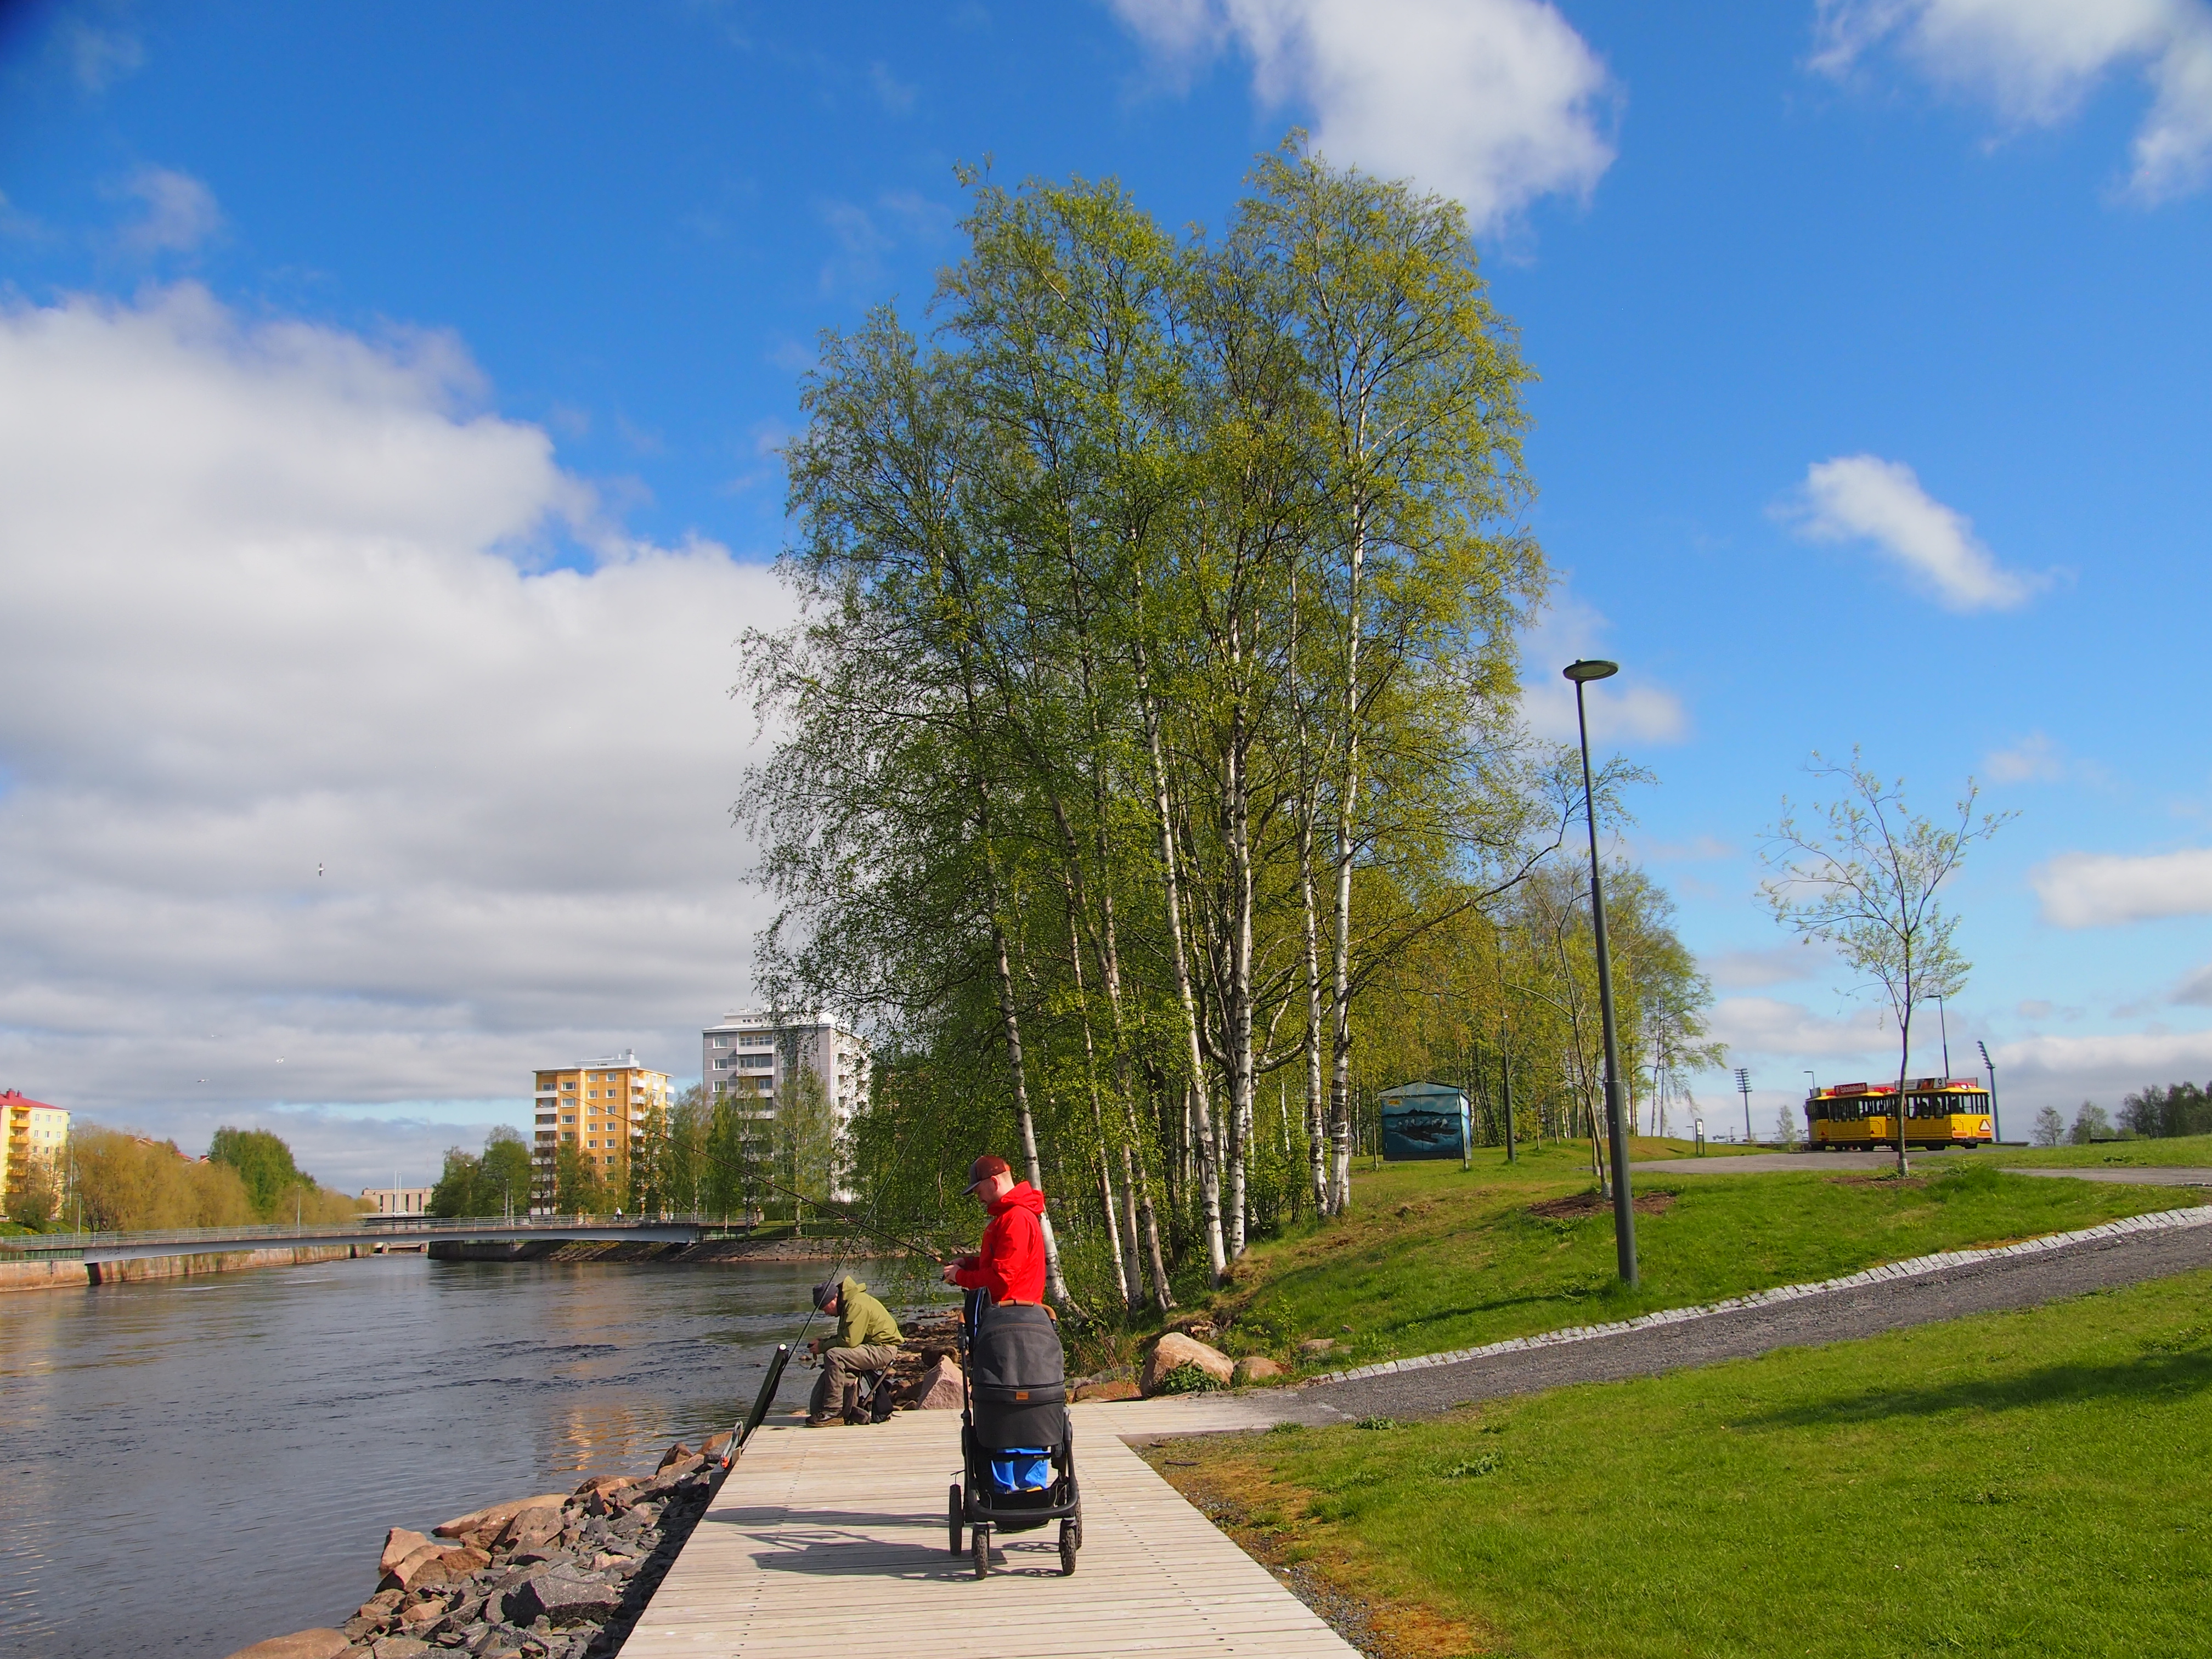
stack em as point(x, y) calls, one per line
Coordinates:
point(563, 1596)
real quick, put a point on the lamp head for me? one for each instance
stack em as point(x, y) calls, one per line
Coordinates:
point(1592, 668)
point(1984, 1048)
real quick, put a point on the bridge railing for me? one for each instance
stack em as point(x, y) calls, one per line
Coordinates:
point(376, 1226)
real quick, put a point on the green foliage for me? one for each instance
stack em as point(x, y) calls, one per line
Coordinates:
point(1190, 1377)
point(264, 1163)
point(494, 1183)
point(1760, 1506)
point(2091, 1123)
point(2166, 1112)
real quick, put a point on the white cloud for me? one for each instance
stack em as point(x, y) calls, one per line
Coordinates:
point(1767, 1025)
point(2036, 61)
point(266, 614)
point(2034, 759)
point(2062, 1070)
point(181, 212)
point(1863, 498)
point(1496, 102)
point(99, 58)
point(1628, 708)
point(2195, 991)
point(1752, 971)
point(2099, 890)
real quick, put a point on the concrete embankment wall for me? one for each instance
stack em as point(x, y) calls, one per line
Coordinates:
point(62, 1275)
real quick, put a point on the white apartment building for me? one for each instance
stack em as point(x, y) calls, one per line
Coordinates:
point(750, 1058)
point(398, 1200)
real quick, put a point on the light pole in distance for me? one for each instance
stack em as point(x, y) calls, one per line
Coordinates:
point(1743, 1088)
point(1996, 1123)
point(1624, 1210)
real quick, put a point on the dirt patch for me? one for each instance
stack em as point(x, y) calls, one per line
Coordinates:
point(1266, 1519)
point(1582, 1203)
point(1877, 1181)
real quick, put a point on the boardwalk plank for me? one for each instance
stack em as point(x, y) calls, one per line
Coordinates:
point(831, 1545)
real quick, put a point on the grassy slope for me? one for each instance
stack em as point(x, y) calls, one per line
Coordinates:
point(1431, 1258)
point(2010, 1483)
point(2183, 1152)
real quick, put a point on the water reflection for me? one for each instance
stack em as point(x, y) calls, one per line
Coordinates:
point(190, 1466)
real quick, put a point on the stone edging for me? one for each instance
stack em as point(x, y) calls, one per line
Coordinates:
point(2198, 1215)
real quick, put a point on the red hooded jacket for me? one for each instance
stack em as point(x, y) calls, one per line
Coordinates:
point(1011, 1264)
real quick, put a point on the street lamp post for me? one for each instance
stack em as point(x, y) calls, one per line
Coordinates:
point(1624, 1210)
point(1743, 1088)
point(1996, 1123)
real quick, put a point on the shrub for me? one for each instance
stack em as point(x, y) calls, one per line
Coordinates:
point(1188, 1378)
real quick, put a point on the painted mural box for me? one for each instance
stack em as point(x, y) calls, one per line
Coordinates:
point(1424, 1119)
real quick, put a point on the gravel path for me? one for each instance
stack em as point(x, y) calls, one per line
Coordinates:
point(1831, 1317)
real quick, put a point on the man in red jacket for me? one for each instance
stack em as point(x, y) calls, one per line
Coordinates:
point(1011, 1263)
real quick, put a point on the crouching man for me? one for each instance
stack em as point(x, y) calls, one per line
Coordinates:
point(867, 1339)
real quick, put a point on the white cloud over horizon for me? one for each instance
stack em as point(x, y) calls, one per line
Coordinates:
point(1494, 102)
point(1864, 498)
point(1629, 709)
point(2036, 62)
point(2103, 889)
point(282, 599)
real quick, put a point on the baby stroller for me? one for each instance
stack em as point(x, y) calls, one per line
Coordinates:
point(1016, 1450)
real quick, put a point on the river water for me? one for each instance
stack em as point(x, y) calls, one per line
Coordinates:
point(190, 1466)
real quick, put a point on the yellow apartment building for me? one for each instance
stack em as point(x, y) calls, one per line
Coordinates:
point(601, 1107)
point(29, 1129)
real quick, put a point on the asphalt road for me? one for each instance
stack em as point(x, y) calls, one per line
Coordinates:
point(1836, 1317)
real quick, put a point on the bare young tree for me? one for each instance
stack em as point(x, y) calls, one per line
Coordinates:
point(1864, 878)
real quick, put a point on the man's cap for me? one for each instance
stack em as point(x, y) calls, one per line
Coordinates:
point(824, 1294)
point(983, 1169)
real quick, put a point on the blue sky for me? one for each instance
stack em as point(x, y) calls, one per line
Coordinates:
point(393, 394)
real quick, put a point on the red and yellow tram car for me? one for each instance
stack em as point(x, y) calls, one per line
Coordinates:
point(1939, 1111)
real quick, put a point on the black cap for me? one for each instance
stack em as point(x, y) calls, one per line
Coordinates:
point(824, 1294)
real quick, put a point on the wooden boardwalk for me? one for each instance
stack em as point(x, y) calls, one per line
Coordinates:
point(831, 1542)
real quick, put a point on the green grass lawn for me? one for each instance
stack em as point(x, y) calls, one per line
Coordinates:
point(2183, 1152)
point(1433, 1258)
point(2030, 1483)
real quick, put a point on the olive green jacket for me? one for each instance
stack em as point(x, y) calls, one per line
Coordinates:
point(862, 1321)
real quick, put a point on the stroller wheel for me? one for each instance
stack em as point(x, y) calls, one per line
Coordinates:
point(1071, 1540)
point(1073, 1525)
point(953, 1517)
point(983, 1548)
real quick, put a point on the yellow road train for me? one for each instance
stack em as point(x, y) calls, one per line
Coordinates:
point(1938, 1112)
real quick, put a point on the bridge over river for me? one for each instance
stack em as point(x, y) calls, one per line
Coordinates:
point(376, 1231)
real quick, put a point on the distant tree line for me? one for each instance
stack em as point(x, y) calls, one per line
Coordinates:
point(2160, 1112)
point(113, 1181)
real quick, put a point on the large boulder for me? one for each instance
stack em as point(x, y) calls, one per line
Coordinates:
point(300, 1644)
point(398, 1545)
point(939, 1388)
point(675, 1454)
point(1253, 1368)
point(432, 1565)
point(1175, 1350)
point(1118, 1387)
point(481, 1527)
point(563, 1596)
point(531, 1530)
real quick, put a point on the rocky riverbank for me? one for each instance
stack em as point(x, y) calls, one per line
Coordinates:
point(558, 1576)
point(564, 1575)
